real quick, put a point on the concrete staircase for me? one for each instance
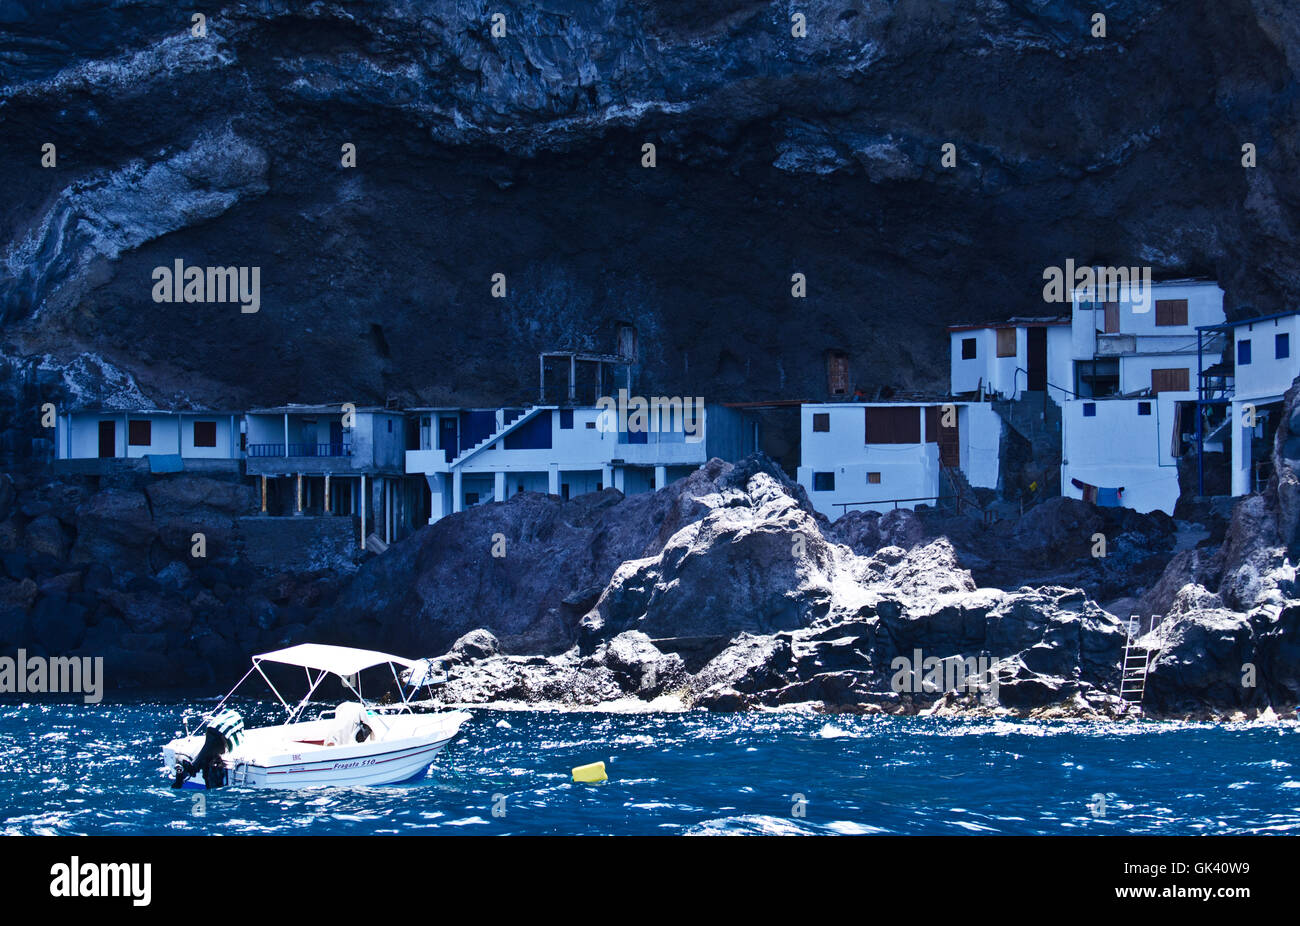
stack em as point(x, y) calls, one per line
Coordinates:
point(957, 494)
point(1036, 418)
point(507, 426)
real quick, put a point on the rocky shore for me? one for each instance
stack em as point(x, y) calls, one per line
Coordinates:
point(723, 590)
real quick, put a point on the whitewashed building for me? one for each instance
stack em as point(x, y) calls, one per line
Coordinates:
point(475, 456)
point(883, 455)
point(95, 439)
point(1135, 359)
point(1012, 357)
point(1264, 364)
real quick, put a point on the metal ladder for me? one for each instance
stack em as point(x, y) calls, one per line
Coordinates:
point(1133, 670)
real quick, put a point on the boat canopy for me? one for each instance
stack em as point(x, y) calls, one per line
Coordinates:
point(338, 660)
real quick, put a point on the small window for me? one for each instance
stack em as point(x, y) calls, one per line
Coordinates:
point(968, 348)
point(139, 433)
point(822, 421)
point(390, 425)
point(591, 425)
point(243, 442)
point(566, 421)
point(564, 489)
point(1243, 353)
point(1144, 408)
point(823, 482)
point(1282, 346)
point(1006, 342)
point(1171, 312)
point(873, 479)
point(1090, 409)
point(205, 434)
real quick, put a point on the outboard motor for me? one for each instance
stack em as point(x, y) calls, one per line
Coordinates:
point(220, 736)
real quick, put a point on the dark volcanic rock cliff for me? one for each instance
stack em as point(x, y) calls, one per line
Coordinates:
point(522, 155)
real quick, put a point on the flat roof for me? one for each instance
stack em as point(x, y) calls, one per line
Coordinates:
point(113, 410)
point(1017, 322)
point(1247, 321)
point(319, 409)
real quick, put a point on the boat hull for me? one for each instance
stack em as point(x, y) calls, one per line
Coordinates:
point(362, 765)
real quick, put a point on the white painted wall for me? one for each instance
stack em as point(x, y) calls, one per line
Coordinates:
point(999, 373)
point(1119, 447)
point(1204, 307)
point(77, 435)
point(980, 435)
point(579, 448)
point(1267, 376)
point(906, 470)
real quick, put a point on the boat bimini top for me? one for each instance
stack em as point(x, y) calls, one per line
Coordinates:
point(347, 663)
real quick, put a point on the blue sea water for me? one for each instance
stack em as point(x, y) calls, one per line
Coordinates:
point(95, 769)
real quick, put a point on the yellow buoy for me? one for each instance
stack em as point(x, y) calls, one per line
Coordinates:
point(590, 774)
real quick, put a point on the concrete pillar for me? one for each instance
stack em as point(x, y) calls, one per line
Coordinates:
point(573, 377)
point(661, 477)
point(327, 493)
point(457, 491)
point(360, 505)
point(299, 511)
point(1241, 436)
point(606, 477)
point(286, 434)
point(263, 494)
point(437, 488)
point(499, 486)
point(553, 479)
point(619, 481)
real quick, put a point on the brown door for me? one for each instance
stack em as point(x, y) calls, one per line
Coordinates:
point(948, 438)
point(950, 445)
point(107, 439)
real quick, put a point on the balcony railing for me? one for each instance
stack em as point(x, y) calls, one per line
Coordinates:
point(300, 450)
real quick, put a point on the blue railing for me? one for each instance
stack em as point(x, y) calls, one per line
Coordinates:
point(300, 450)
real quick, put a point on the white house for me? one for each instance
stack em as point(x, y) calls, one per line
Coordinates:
point(1135, 357)
point(160, 439)
point(476, 456)
point(1011, 357)
point(1264, 365)
point(881, 455)
point(1136, 338)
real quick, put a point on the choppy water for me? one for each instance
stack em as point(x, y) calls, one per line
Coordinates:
point(95, 769)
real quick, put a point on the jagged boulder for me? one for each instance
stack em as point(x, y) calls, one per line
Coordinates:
point(639, 666)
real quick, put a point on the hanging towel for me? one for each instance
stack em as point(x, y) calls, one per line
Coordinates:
point(1110, 498)
point(1089, 491)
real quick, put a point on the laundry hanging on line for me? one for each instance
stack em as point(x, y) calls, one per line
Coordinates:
point(1102, 496)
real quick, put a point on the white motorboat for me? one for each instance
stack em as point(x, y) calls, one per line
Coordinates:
point(357, 743)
